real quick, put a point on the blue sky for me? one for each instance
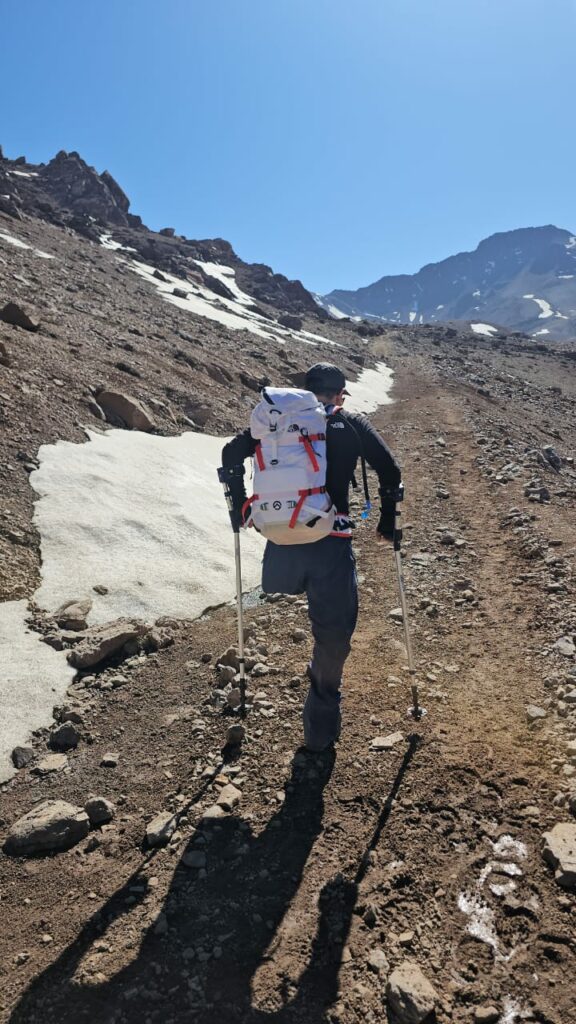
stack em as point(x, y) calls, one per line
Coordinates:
point(336, 141)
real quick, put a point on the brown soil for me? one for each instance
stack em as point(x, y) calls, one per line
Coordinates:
point(326, 858)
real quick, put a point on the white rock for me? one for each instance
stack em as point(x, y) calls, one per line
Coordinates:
point(387, 742)
point(560, 852)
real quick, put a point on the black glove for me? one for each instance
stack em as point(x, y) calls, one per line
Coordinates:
point(387, 520)
point(236, 518)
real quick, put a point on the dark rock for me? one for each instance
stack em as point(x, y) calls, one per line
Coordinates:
point(22, 757)
point(293, 323)
point(65, 737)
point(13, 314)
point(122, 410)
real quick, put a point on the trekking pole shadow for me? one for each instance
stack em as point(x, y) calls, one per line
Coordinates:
point(266, 870)
point(318, 988)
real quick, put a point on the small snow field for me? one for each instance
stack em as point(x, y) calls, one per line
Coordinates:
point(236, 314)
point(19, 244)
point(33, 679)
point(485, 329)
point(143, 516)
point(371, 390)
point(546, 308)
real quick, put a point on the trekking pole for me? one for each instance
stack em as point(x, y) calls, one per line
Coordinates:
point(225, 476)
point(416, 711)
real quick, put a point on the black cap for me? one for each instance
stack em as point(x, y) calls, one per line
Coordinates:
point(325, 378)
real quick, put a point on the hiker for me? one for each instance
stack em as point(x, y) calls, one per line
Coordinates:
point(309, 535)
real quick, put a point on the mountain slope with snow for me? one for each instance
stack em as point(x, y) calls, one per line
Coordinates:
point(524, 279)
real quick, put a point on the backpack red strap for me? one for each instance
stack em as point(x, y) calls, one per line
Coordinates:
point(303, 495)
point(307, 442)
point(259, 456)
point(247, 505)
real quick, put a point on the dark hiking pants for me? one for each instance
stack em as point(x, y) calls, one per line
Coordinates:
point(326, 572)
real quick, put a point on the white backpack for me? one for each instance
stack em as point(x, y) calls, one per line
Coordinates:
point(290, 504)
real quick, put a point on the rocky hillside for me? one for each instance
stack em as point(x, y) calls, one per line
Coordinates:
point(68, 193)
point(524, 280)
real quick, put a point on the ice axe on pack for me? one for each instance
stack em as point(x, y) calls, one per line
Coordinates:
point(225, 477)
point(416, 711)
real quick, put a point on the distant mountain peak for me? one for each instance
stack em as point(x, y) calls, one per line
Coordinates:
point(513, 278)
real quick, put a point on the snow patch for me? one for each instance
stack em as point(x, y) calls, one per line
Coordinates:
point(232, 313)
point(34, 678)
point(485, 329)
point(145, 517)
point(19, 244)
point(543, 331)
point(545, 306)
point(371, 390)
point(412, 317)
point(24, 174)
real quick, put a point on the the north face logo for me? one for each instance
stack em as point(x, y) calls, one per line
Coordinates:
point(336, 426)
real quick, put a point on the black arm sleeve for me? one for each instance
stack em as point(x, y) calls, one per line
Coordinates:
point(234, 453)
point(377, 454)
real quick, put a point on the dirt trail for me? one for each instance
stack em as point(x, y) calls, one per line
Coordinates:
point(411, 852)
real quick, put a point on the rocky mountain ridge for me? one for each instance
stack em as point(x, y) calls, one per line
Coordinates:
point(68, 193)
point(524, 280)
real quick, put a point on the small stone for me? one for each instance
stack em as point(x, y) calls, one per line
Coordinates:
point(22, 756)
point(377, 962)
point(160, 830)
point(99, 810)
point(215, 811)
point(229, 797)
point(534, 713)
point(448, 539)
point(110, 760)
point(560, 852)
point(64, 737)
point(387, 742)
point(406, 938)
point(396, 615)
point(73, 614)
point(370, 916)
point(486, 1015)
point(235, 735)
point(565, 646)
point(52, 763)
point(299, 634)
point(226, 674)
point(295, 682)
point(260, 669)
point(194, 859)
point(410, 995)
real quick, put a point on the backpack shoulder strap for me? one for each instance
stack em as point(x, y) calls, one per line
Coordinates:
point(351, 426)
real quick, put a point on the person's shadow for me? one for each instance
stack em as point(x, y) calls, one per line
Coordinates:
point(197, 962)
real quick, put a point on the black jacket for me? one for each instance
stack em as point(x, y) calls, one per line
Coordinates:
point(348, 436)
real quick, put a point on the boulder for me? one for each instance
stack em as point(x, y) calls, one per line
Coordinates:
point(49, 827)
point(161, 829)
point(124, 411)
point(13, 314)
point(102, 642)
point(99, 810)
point(410, 995)
point(560, 852)
point(64, 737)
point(73, 614)
point(293, 323)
